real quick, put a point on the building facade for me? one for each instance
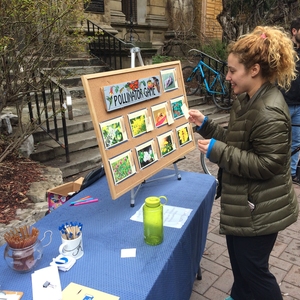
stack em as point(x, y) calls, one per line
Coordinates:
point(150, 22)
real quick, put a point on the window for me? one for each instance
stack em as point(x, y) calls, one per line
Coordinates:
point(95, 6)
point(129, 9)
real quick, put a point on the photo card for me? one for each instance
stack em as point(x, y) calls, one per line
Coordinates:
point(146, 154)
point(122, 166)
point(166, 143)
point(160, 114)
point(183, 133)
point(176, 105)
point(140, 122)
point(113, 132)
point(169, 80)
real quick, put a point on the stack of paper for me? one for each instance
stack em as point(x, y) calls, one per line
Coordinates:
point(46, 284)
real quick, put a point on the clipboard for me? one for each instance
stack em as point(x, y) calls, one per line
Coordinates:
point(19, 294)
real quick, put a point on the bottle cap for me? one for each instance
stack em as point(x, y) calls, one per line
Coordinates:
point(152, 201)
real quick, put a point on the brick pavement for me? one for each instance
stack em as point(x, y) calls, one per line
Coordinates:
point(216, 273)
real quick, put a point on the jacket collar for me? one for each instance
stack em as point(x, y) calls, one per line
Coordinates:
point(246, 102)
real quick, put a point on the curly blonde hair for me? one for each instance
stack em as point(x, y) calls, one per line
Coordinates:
point(272, 49)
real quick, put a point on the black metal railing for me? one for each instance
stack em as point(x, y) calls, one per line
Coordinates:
point(106, 46)
point(214, 63)
point(47, 108)
point(194, 57)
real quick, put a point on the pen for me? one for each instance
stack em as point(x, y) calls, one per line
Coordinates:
point(84, 198)
point(81, 201)
point(84, 202)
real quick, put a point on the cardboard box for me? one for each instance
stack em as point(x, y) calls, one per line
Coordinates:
point(62, 193)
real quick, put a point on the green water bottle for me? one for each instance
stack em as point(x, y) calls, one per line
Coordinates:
point(153, 220)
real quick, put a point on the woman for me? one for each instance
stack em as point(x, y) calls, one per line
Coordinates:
point(257, 197)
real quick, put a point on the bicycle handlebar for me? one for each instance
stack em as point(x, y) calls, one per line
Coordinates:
point(202, 55)
point(196, 50)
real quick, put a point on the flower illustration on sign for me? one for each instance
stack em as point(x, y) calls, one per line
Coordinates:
point(183, 136)
point(146, 157)
point(112, 134)
point(131, 86)
point(138, 125)
point(122, 168)
point(160, 119)
point(113, 89)
point(166, 145)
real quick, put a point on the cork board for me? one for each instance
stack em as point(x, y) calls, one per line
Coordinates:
point(140, 119)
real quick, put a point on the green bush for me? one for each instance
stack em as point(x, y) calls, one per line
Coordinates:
point(216, 49)
point(157, 59)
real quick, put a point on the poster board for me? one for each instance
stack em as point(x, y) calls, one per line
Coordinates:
point(139, 116)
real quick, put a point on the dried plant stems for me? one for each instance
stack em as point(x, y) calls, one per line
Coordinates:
point(21, 237)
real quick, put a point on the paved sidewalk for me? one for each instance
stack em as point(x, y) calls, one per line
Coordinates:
point(216, 273)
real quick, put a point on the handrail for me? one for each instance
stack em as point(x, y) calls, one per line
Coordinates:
point(42, 105)
point(106, 46)
point(216, 61)
point(67, 92)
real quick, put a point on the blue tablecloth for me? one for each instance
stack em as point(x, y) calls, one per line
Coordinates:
point(166, 271)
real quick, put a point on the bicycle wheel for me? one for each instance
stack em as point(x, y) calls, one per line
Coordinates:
point(208, 167)
point(191, 80)
point(222, 100)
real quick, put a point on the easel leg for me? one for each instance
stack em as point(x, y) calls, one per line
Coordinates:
point(133, 193)
point(176, 171)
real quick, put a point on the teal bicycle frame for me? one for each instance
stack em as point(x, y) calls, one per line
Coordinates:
point(218, 88)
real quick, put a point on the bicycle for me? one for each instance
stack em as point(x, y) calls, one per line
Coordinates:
point(208, 167)
point(214, 82)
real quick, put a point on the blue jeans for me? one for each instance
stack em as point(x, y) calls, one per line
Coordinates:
point(295, 118)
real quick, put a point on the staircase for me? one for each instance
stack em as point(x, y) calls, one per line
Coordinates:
point(83, 147)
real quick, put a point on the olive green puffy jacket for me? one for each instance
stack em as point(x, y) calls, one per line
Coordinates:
point(254, 154)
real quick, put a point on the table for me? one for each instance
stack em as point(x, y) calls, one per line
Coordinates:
point(166, 271)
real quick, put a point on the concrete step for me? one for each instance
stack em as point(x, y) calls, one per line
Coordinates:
point(195, 100)
point(77, 92)
point(50, 149)
point(80, 161)
point(80, 123)
point(80, 70)
point(79, 60)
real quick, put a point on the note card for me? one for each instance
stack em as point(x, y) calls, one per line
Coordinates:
point(130, 252)
point(46, 284)
point(76, 291)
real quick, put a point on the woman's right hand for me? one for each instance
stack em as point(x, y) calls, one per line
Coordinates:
point(196, 117)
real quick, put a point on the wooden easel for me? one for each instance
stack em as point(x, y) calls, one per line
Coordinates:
point(136, 51)
point(101, 88)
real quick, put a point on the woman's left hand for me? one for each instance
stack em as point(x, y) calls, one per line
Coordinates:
point(203, 145)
